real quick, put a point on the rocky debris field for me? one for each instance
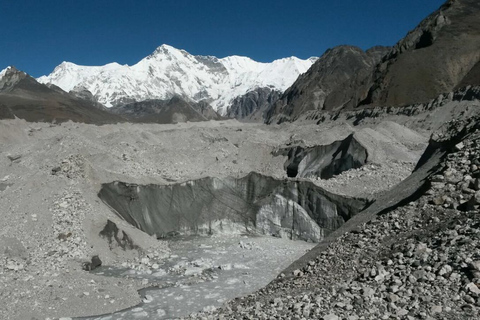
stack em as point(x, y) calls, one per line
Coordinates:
point(369, 179)
point(419, 261)
point(52, 219)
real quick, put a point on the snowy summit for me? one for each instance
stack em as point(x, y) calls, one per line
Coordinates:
point(169, 71)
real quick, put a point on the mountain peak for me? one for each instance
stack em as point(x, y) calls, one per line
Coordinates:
point(9, 70)
point(64, 66)
point(167, 50)
point(9, 77)
point(4, 72)
point(169, 71)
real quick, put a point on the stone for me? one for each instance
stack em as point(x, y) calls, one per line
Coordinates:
point(401, 312)
point(297, 273)
point(436, 309)
point(474, 265)
point(147, 299)
point(468, 299)
point(437, 178)
point(368, 292)
point(444, 270)
point(392, 297)
point(459, 146)
point(472, 287)
point(331, 316)
point(14, 158)
point(93, 264)
point(475, 185)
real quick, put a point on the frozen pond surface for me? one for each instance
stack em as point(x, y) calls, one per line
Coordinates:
point(204, 272)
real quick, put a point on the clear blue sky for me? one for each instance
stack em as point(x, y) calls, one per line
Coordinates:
point(37, 35)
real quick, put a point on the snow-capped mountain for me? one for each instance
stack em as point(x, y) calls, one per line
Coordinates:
point(4, 71)
point(169, 71)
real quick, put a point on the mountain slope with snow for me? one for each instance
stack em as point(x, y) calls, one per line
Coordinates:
point(169, 71)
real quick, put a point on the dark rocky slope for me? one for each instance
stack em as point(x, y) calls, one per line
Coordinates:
point(253, 105)
point(23, 97)
point(252, 204)
point(173, 110)
point(417, 115)
point(341, 78)
point(439, 55)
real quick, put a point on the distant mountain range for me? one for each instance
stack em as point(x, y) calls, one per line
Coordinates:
point(170, 72)
point(440, 55)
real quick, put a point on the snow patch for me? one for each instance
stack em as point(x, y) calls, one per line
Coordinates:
point(4, 71)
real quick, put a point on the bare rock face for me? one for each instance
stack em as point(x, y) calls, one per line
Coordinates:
point(339, 79)
point(253, 104)
point(441, 54)
point(173, 110)
point(252, 204)
point(11, 77)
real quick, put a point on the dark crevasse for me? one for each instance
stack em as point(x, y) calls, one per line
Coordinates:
point(251, 204)
point(324, 161)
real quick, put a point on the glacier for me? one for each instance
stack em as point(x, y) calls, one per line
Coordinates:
point(168, 72)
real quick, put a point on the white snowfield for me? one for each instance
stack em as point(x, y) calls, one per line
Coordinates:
point(3, 72)
point(169, 71)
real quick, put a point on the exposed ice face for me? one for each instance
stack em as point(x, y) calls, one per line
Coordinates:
point(169, 71)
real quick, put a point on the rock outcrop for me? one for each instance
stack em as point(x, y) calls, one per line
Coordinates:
point(468, 94)
point(253, 104)
point(252, 204)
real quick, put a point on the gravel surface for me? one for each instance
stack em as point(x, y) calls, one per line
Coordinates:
point(52, 218)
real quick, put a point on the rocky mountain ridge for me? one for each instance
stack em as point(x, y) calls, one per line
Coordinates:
point(339, 79)
point(169, 71)
point(440, 55)
point(21, 96)
point(434, 58)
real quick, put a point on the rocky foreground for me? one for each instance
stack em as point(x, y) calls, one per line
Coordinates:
point(418, 261)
